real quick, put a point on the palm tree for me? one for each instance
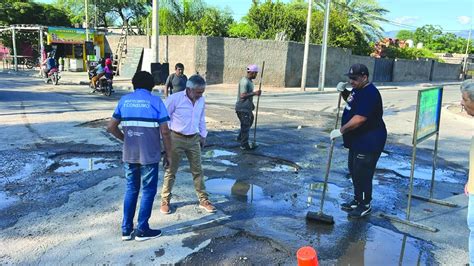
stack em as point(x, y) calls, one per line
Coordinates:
point(175, 15)
point(364, 15)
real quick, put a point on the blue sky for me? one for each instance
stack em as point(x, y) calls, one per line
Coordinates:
point(409, 14)
point(451, 15)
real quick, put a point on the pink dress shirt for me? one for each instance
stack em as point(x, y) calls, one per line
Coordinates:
point(186, 118)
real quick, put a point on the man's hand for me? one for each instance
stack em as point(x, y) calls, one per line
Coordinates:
point(341, 86)
point(465, 190)
point(202, 141)
point(335, 134)
point(258, 93)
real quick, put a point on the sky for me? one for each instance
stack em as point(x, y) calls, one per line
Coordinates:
point(451, 15)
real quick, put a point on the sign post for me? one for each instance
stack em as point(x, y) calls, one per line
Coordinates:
point(427, 120)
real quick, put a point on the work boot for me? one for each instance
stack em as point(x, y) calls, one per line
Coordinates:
point(165, 207)
point(361, 211)
point(207, 205)
point(349, 206)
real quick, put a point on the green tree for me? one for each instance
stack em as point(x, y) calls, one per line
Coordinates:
point(28, 12)
point(405, 35)
point(426, 34)
point(364, 16)
point(214, 22)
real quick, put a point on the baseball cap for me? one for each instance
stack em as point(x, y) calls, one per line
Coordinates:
point(357, 70)
point(252, 68)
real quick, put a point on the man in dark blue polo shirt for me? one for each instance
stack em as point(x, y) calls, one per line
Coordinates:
point(364, 134)
point(143, 117)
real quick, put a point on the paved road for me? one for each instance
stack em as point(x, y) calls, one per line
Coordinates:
point(54, 214)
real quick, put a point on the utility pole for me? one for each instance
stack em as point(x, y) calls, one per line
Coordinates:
point(155, 33)
point(306, 47)
point(322, 66)
point(87, 20)
point(15, 59)
point(464, 70)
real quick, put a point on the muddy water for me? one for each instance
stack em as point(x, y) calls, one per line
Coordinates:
point(384, 247)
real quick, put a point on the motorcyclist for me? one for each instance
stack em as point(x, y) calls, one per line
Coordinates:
point(99, 72)
point(109, 72)
point(49, 63)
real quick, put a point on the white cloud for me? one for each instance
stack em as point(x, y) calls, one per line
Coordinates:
point(464, 20)
point(406, 20)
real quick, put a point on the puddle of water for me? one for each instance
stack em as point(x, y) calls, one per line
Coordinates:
point(279, 168)
point(332, 200)
point(227, 162)
point(84, 164)
point(6, 201)
point(218, 153)
point(403, 167)
point(234, 188)
point(384, 247)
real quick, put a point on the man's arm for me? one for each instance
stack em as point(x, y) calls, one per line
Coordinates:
point(202, 126)
point(355, 122)
point(166, 135)
point(113, 128)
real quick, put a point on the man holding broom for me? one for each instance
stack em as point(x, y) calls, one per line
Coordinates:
point(244, 106)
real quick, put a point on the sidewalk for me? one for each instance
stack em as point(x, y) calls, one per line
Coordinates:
point(81, 78)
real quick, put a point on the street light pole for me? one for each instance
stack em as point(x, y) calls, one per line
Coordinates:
point(306, 47)
point(464, 70)
point(155, 33)
point(87, 20)
point(15, 59)
point(322, 66)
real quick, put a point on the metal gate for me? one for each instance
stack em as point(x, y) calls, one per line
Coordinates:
point(383, 70)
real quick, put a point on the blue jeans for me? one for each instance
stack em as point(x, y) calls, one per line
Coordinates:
point(135, 174)
point(470, 224)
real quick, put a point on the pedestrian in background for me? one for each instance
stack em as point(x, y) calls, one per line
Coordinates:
point(244, 105)
point(364, 134)
point(143, 117)
point(188, 136)
point(467, 102)
point(176, 82)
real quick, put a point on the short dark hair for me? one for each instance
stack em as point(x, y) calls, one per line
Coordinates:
point(143, 80)
point(179, 65)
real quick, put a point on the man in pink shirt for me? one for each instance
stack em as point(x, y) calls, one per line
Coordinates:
point(186, 110)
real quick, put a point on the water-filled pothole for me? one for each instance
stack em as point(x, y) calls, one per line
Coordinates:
point(381, 246)
point(82, 164)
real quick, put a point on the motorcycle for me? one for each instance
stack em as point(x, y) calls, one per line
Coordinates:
point(53, 76)
point(104, 84)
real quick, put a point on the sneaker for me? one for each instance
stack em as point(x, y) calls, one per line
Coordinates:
point(361, 211)
point(247, 147)
point(207, 205)
point(148, 234)
point(126, 236)
point(349, 206)
point(165, 207)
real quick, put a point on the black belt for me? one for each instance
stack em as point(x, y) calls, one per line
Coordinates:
point(185, 136)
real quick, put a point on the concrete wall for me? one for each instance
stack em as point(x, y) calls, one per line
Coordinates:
point(411, 70)
point(338, 62)
point(223, 60)
point(238, 53)
point(444, 71)
point(366, 60)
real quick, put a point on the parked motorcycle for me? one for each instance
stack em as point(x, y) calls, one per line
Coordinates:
point(53, 76)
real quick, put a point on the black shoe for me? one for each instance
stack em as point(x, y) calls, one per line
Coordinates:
point(349, 206)
point(148, 234)
point(361, 211)
point(126, 236)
